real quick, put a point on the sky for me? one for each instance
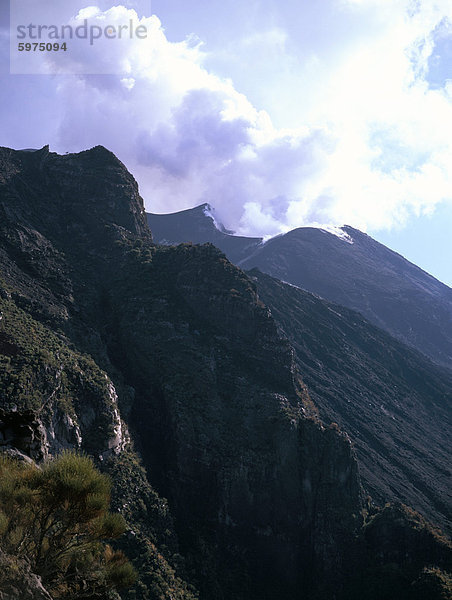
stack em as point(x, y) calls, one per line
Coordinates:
point(279, 114)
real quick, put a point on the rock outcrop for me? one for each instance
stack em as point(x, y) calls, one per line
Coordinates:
point(18, 582)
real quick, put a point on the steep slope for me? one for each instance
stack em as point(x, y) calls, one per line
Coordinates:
point(252, 483)
point(53, 394)
point(218, 409)
point(198, 225)
point(346, 267)
point(368, 277)
point(395, 404)
point(262, 500)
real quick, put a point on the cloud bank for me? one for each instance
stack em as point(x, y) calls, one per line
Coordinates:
point(373, 142)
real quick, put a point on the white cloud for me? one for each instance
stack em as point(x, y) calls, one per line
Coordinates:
point(375, 145)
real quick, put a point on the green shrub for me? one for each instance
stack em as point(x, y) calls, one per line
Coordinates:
point(57, 518)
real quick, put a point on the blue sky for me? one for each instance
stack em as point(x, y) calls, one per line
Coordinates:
point(278, 114)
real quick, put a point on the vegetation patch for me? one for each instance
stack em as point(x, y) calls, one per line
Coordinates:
point(57, 519)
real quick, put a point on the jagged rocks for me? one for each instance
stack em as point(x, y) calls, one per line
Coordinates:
point(23, 431)
point(17, 582)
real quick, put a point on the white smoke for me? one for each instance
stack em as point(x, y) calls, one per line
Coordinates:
point(375, 145)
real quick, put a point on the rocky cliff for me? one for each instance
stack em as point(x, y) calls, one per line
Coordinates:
point(394, 403)
point(109, 343)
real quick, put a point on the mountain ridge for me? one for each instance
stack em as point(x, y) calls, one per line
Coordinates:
point(391, 292)
point(194, 366)
point(239, 492)
point(390, 397)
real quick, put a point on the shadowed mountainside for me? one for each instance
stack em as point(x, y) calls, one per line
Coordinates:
point(394, 403)
point(109, 343)
point(350, 269)
point(366, 276)
point(198, 225)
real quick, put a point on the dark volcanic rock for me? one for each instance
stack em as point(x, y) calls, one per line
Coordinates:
point(395, 404)
point(220, 410)
point(18, 582)
point(397, 546)
point(197, 225)
point(263, 501)
point(366, 276)
point(220, 413)
point(70, 195)
point(23, 431)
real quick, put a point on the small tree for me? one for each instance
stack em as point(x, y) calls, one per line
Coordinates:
point(57, 518)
